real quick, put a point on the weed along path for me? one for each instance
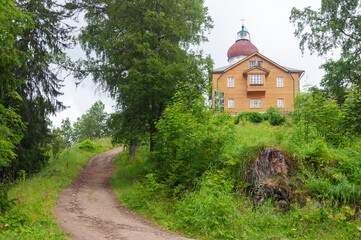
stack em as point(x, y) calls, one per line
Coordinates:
point(88, 209)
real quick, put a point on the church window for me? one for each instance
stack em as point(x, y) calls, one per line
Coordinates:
point(230, 82)
point(256, 79)
point(256, 103)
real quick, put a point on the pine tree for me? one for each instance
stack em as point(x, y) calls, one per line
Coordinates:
point(41, 85)
point(12, 24)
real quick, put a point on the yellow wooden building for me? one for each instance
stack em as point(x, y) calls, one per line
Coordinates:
point(253, 82)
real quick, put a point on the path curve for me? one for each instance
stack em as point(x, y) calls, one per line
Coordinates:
point(88, 209)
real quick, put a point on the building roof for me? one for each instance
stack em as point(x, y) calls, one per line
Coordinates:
point(293, 69)
point(258, 68)
point(287, 69)
point(222, 69)
point(241, 47)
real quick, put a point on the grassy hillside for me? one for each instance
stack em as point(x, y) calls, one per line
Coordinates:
point(324, 181)
point(31, 215)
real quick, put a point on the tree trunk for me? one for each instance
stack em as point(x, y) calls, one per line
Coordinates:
point(151, 143)
point(132, 149)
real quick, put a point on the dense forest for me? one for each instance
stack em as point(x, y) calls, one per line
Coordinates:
point(185, 166)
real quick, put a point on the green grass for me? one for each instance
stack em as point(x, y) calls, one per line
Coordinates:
point(218, 208)
point(31, 216)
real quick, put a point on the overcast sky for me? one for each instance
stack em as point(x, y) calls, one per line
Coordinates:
point(271, 32)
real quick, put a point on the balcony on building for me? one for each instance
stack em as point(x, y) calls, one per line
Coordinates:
point(256, 79)
point(256, 88)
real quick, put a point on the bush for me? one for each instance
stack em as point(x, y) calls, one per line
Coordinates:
point(275, 117)
point(207, 210)
point(320, 115)
point(254, 117)
point(5, 202)
point(189, 140)
point(352, 112)
point(88, 145)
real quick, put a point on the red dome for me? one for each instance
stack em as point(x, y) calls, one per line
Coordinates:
point(241, 47)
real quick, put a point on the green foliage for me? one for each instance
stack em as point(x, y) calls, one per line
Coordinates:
point(92, 124)
point(46, 42)
point(127, 178)
point(34, 149)
point(339, 173)
point(142, 56)
point(274, 116)
point(214, 211)
point(5, 202)
point(66, 132)
point(62, 137)
point(33, 48)
point(13, 22)
point(131, 170)
point(334, 26)
point(189, 140)
point(209, 209)
point(88, 145)
point(11, 132)
point(352, 112)
point(31, 214)
point(254, 117)
point(337, 188)
point(216, 207)
point(320, 115)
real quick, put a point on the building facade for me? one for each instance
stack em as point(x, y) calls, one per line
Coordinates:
point(253, 82)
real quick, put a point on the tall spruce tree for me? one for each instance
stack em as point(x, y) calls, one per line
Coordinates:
point(139, 52)
point(41, 85)
point(12, 24)
point(335, 26)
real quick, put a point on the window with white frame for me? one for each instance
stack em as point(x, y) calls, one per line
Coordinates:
point(230, 103)
point(256, 79)
point(279, 82)
point(280, 103)
point(256, 103)
point(230, 82)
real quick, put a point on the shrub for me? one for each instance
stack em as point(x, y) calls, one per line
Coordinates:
point(208, 209)
point(254, 117)
point(320, 115)
point(352, 112)
point(189, 140)
point(88, 145)
point(275, 117)
point(5, 202)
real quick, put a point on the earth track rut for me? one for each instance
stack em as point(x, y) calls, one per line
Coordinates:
point(89, 210)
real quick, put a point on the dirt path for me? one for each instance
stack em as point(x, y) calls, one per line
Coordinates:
point(88, 209)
